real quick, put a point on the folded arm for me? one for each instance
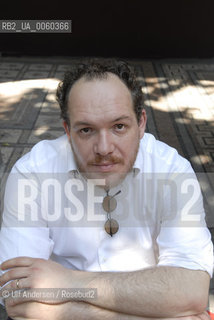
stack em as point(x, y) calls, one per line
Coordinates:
point(76, 310)
point(154, 292)
point(162, 292)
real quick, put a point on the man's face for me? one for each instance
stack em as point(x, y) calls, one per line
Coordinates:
point(104, 133)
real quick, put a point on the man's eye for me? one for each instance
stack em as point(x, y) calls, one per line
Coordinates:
point(85, 130)
point(119, 126)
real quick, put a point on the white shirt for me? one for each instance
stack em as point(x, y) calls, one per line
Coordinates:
point(160, 222)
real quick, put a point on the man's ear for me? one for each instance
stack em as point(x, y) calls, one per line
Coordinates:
point(142, 123)
point(65, 125)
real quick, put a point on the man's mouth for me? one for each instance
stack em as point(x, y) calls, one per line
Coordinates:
point(105, 166)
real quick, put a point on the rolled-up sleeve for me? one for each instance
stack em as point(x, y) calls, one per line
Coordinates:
point(184, 239)
point(189, 248)
point(20, 235)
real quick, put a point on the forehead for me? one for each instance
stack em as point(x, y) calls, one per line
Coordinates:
point(106, 97)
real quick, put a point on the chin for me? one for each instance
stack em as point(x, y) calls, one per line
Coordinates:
point(111, 179)
point(114, 180)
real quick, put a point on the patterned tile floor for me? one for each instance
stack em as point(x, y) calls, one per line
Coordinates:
point(179, 100)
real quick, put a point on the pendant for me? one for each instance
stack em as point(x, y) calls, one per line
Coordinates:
point(111, 226)
point(109, 204)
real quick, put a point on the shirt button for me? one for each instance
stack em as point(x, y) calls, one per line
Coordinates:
point(104, 260)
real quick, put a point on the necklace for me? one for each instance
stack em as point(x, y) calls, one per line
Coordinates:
point(109, 204)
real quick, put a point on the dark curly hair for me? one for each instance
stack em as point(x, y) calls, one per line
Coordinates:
point(99, 69)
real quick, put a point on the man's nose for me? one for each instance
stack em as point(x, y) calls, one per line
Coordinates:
point(104, 143)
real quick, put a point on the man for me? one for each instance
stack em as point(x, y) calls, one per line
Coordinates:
point(119, 218)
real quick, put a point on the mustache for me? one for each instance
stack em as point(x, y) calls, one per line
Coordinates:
point(99, 159)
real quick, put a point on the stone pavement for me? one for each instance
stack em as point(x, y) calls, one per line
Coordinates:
point(179, 100)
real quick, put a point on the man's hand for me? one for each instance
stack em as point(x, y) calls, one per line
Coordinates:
point(38, 311)
point(35, 273)
point(27, 310)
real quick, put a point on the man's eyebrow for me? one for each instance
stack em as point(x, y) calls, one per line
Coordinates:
point(122, 118)
point(85, 123)
point(81, 123)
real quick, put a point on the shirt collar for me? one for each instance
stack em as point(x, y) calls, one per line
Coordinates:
point(138, 163)
point(71, 163)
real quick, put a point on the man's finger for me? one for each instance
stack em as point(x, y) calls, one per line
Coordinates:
point(14, 274)
point(17, 262)
point(23, 283)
